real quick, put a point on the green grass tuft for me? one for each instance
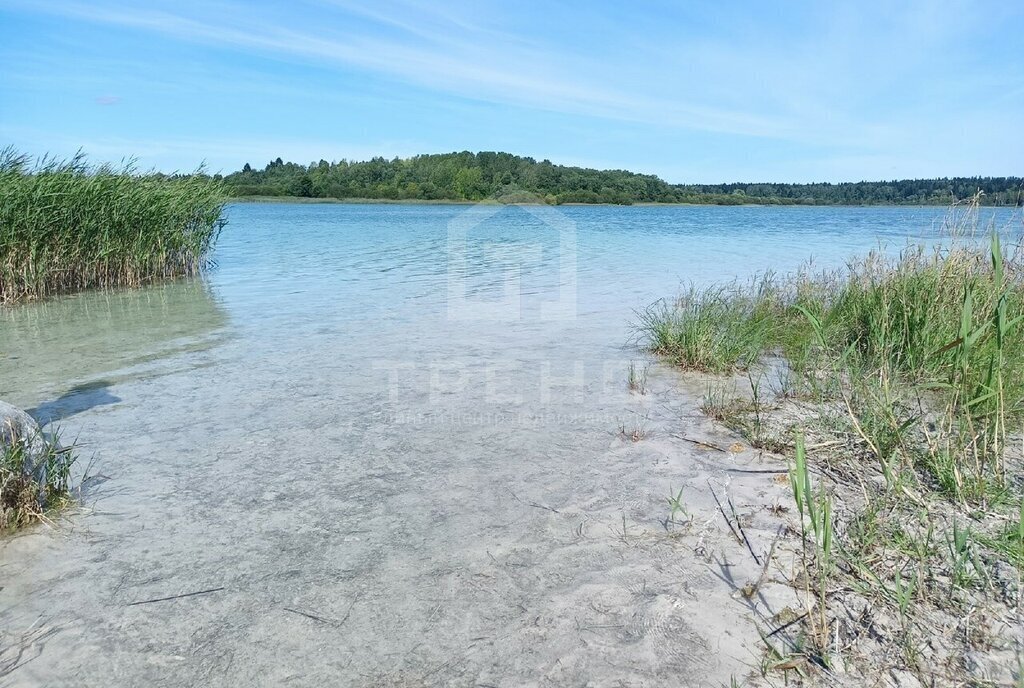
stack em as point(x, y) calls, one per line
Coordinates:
point(27, 498)
point(713, 329)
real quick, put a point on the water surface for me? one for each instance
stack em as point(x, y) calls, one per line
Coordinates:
point(376, 280)
point(387, 438)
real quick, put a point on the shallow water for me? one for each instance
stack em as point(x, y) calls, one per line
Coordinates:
point(363, 283)
point(388, 436)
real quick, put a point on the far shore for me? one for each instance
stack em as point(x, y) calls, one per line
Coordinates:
point(491, 201)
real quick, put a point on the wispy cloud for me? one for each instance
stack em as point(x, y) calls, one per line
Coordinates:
point(511, 71)
point(736, 84)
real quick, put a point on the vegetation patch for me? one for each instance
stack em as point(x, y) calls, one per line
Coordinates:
point(35, 476)
point(467, 176)
point(67, 226)
point(714, 329)
point(896, 389)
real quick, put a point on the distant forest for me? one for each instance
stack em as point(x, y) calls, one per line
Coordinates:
point(510, 178)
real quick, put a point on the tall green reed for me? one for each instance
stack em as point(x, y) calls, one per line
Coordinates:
point(66, 225)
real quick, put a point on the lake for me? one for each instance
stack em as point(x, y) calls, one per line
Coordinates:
point(351, 284)
point(383, 441)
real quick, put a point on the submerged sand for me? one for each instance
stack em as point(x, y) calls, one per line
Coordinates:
point(359, 552)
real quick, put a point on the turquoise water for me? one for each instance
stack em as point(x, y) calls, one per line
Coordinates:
point(386, 445)
point(317, 268)
point(432, 282)
point(335, 262)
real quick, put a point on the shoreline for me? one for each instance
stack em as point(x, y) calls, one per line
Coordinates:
point(303, 200)
point(892, 447)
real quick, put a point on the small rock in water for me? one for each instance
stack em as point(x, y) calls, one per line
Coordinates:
point(16, 427)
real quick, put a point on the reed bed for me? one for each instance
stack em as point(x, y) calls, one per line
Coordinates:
point(66, 225)
point(907, 371)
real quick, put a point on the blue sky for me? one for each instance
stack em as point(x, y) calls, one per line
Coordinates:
point(692, 91)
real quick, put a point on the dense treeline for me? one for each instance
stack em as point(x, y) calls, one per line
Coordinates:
point(510, 178)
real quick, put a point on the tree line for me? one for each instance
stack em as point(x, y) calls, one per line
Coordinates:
point(505, 177)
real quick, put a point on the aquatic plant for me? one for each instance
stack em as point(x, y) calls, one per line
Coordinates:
point(637, 379)
point(712, 329)
point(66, 225)
point(35, 479)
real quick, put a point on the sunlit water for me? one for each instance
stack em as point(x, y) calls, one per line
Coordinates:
point(358, 285)
point(403, 420)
